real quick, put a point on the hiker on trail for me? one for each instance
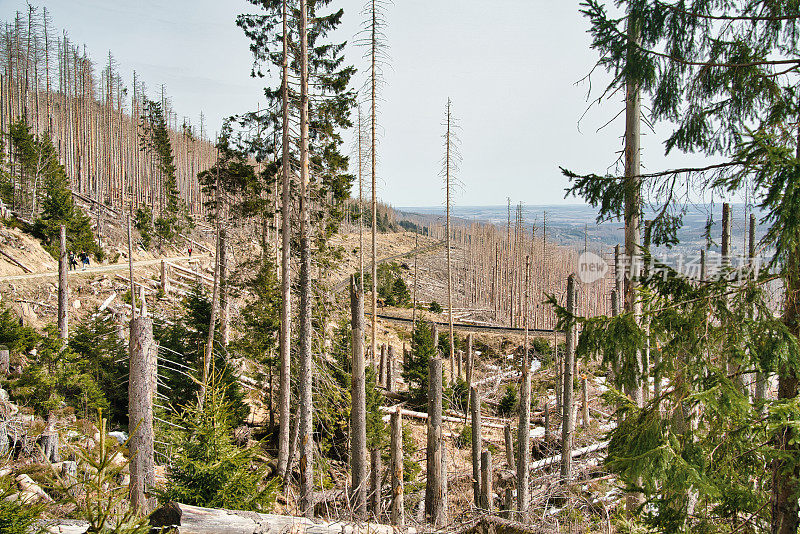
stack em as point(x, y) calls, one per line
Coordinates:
point(84, 260)
point(190, 252)
point(73, 263)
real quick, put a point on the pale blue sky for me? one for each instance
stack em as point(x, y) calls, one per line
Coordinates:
point(510, 67)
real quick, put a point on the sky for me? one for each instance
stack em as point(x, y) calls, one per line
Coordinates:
point(515, 70)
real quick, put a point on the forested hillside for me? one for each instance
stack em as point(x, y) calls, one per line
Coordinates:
point(239, 334)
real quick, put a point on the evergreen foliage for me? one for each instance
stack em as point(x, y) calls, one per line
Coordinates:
point(96, 496)
point(183, 344)
point(173, 216)
point(17, 516)
point(38, 162)
point(730, 88)
point(85, 375)
point(143, 222)
point(415, 373)
point(508, 402)
point(208, 469)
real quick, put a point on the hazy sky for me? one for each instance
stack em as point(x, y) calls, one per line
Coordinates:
point(511, 67)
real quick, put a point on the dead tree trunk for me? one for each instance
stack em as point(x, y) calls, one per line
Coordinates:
point(509, 445)
point(376, 488)
point(761, 377)
point(164, 282)
point(568, 423)
point(382, 366)
point(141, 391)
point(358, 413)
point(208, 354)
point(524, 428)
point(486, 480)
point(547, 436)
point(63, 301)
point(584, 402)
point(306, 404)
point(470, 359)
point(390, 369)
point(477, 444)
point(434, 497)
point(284, 396)
point(398, 508)
point(224, 302)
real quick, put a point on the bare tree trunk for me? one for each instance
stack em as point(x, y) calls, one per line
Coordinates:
point(208, 354)
point(449, 261)
point(633, 208)
point(761, 377)
point(509, 441)
point(306, 405)
point(477, 443)
point(376, 487)
point(434, 496)
point(130, 271)
point(486, 480)
point(584, 402)
point(360, 204)
point(141, 390)
point(63, 291)
point(398, 508)
point(374, 163)
point(224, 302)
point(285, 394)
point(414, 303)
point(382, 366)
point(390, 369)
point(358, 413)
point(547, 436)
point(568, 422)
point(523, 430)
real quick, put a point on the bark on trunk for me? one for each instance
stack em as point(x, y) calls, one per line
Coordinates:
point(306, 362)
point(477, 444)
point(284, 396)
point(141, 383)
point(186, 519)
point(486, 480)
point(568, 423)
point(376, 487)
point(434, 496)
point(63, 300)
point(358, 413)
point(398, 507)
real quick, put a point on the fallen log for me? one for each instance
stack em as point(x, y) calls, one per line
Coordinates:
point(16, 262)
point(185, 519)
point(555, 460)
point(424, 416)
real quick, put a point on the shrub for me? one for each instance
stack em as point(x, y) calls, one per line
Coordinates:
point(16, 516)
point(435, 307)
point(509, 402)
point(208, 469)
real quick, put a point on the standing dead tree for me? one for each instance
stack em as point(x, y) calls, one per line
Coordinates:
point(358, 412)
point(434, 492)
point(523, 430)
point(568, 422)
point(452, 159)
